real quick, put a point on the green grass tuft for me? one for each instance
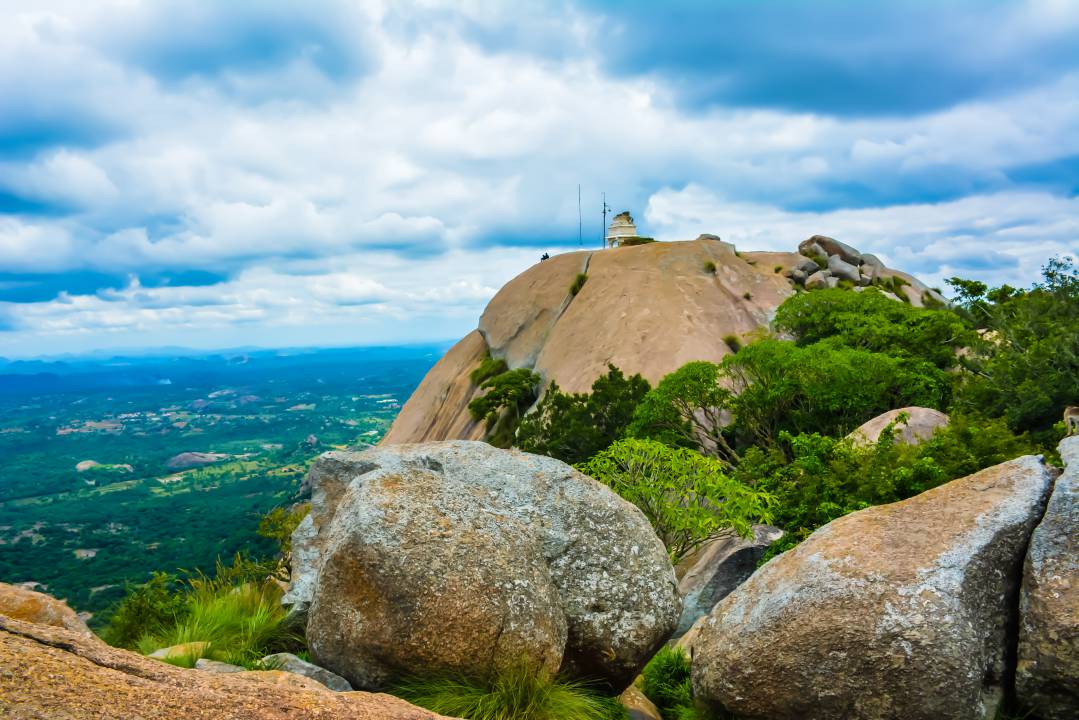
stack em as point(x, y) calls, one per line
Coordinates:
point(240, 623)
point(777, 269)
point(709, 267)
point(578, 283)
point(519, 693)
point(733, 342)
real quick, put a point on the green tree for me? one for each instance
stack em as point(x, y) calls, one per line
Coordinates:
point(575, 426)
point(508, 396)
point(870, 321)
point(689, 408)
point(687, 497)
point(1025, 366)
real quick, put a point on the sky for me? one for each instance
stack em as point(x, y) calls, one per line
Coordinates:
point(219, 174)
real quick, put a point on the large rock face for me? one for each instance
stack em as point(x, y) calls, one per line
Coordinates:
point(896, 611)
point(919, 425)
point(1047, 674)
point(459, 557)
point(52, 672)
point(647, 309)
point(716, 569)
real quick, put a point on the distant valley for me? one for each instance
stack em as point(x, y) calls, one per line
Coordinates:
point(118, 467)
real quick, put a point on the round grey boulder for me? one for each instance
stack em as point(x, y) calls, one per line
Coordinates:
point(460, 558)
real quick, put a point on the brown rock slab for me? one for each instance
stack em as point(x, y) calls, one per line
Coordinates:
point(34, 607)
point(896, 611)
point(51, 672)
point(1047, 673)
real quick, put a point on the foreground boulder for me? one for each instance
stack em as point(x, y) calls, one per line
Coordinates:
point(896, 611)
point(718, 567)
point(919, 425)
point(459, 557)
point(52, 672)
point(34, 607)
point(1047, 674)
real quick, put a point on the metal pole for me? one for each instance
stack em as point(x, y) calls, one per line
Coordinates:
point(580, 219)
point(603, 228)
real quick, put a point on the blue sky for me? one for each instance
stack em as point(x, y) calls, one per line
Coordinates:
point(212, 174)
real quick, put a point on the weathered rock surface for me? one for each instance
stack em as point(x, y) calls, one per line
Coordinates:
point(34, 607)
point(637, 706)
point(290, 663)
point(843, 270)
point(461, 557)
point(830, 247)
point(215, 666)
point(919, 426)
point(1047, 673)
point(51, 672)
point(717, 568)
point(896, 611)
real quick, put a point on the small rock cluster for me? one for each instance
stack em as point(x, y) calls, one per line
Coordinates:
point(827, 262)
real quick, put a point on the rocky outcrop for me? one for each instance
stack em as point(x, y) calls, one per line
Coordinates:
point(34, 607)
point(718, 567)
point(919, 425)
point(52, 672)
point(290, 663)
point(459, 557)
point(896, 611)
point(1047, 673)
point(684, 297)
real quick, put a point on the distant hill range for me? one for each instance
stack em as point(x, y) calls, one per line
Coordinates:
point(647, 308)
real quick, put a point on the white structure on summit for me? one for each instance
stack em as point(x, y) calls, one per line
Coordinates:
point(621, 227)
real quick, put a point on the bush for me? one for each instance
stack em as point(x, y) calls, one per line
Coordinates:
point(578, 283)
point(488, 368)
point(777, 269)
point(732, 342)
point(747, 295)
point(519, 693)
point(575, 426)
point(870, 321)
point(279, 524)
point(686, 496)
point(636, 240)
point(508, 396)
point(710, 267)
point(816, 479)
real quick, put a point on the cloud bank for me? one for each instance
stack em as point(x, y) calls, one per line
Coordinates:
point(208, 174)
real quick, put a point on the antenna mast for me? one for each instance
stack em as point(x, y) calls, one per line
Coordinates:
point(580, 219)
point(603, 230)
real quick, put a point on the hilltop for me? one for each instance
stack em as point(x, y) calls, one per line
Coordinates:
point(646, 309)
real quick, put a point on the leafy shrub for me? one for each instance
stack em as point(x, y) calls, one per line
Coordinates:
point(774, 386)
point(519, 693)
point(710, 267)
point(870, 321)
point(816, 479)
point(488, 368)
point(732, 342)
point(147, 609)
point(686, 496)
point(636, 240)
point(777, 269)
point(508, 396)
point(578, 283)
point(747, 295)
point(575, 426)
